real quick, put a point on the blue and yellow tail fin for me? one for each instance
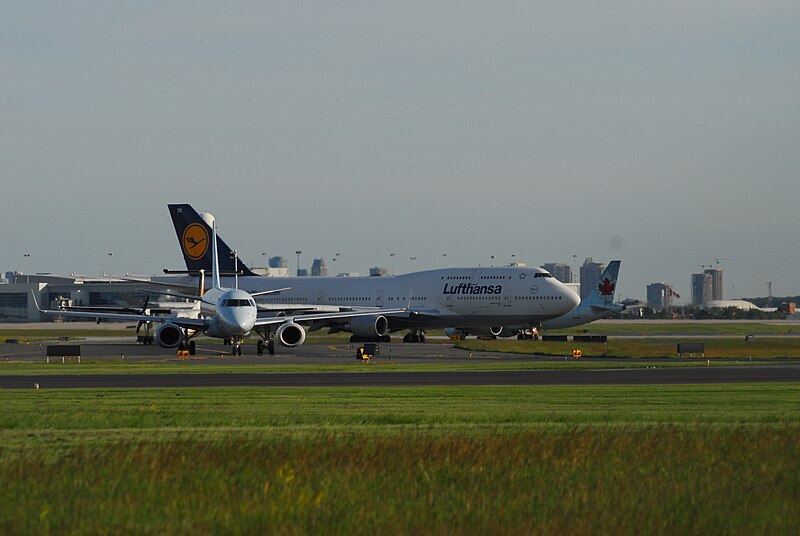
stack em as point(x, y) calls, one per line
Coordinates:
point(194, 237)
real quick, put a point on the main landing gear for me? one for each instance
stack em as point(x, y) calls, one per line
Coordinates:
point(268, 345)
point(414, 336)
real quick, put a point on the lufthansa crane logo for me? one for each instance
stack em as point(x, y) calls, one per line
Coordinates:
point(195, 241)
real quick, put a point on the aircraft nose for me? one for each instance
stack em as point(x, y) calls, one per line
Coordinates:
point(573, 299)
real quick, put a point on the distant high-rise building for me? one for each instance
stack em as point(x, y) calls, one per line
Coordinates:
point(278, 262)
point(716, 282)
point(659, 296)
point(560, 270)
point(701, 288)
point(590, 274)
point(378, 271)
point(318, 268)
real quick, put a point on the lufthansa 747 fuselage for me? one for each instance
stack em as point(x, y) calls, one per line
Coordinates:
point(518, 297)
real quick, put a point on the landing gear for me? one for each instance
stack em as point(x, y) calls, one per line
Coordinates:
point(237, 349)
point(269, 346)
point(414, 336)
point(267, 342)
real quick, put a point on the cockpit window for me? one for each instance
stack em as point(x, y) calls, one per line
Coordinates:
point(543, 274)
point(238, 303)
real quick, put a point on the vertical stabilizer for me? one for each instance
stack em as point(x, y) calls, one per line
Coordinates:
point(194, 238)
point(603, 291)
point(215, 280)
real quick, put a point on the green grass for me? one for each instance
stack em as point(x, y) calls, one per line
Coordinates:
point(89, 409)
point(656, 328)
point(401, 460)
point(564, 480)
point(764, 347)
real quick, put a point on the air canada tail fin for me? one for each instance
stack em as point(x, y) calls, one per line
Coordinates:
point(194, 236)
point(603, 292)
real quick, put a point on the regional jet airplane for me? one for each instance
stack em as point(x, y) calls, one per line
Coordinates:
point(478, 301)
point(229, 314)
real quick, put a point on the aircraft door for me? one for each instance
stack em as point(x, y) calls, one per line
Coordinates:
point(379, 298)
point(321, 297)
point(507, 298)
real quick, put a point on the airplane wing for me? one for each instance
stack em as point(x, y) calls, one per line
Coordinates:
point(313, 317)
point(193, 323)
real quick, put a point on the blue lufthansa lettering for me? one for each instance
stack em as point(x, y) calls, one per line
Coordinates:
point(469, 288)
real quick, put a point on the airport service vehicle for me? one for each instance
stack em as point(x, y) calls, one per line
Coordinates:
point(488, 301)
point(226, 313)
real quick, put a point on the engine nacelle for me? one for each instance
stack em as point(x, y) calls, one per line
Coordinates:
point(168, 335)
point(369, 326)
point(507, 331)
point(290, 334)
point(493, 331)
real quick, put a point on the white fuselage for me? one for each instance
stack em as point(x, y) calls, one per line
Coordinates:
point(450, 297)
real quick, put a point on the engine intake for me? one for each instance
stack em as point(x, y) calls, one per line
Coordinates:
point(168, 335)
point(290, 334)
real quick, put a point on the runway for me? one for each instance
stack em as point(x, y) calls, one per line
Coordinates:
point(645, 376)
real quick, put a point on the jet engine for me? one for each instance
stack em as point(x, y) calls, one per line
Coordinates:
point(369, 326)
point(168, 335)
point(494, 331)
point(290, 334)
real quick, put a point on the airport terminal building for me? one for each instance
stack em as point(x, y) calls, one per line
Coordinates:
point(17, 303)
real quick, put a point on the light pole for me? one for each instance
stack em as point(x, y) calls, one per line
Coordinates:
point(27, 267)
point(492, 258)
point(298, 252)
point(235, 257)
point(444, 259)
point(391, 263)
point(110, 265)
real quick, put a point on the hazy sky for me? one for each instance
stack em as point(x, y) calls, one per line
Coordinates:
point(666, 134)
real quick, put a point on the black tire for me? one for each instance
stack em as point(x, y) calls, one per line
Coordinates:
point(271, 347)
point(192, 349)
point(260, 348)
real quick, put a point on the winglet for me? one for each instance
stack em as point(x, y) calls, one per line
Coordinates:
point(36, 302)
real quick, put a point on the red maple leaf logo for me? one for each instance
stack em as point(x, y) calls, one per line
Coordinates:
point(606, 287)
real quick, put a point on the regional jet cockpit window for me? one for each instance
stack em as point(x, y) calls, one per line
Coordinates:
point(238, 303)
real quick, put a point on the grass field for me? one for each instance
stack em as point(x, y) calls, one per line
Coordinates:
point(762, 347)
point(466, 460)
